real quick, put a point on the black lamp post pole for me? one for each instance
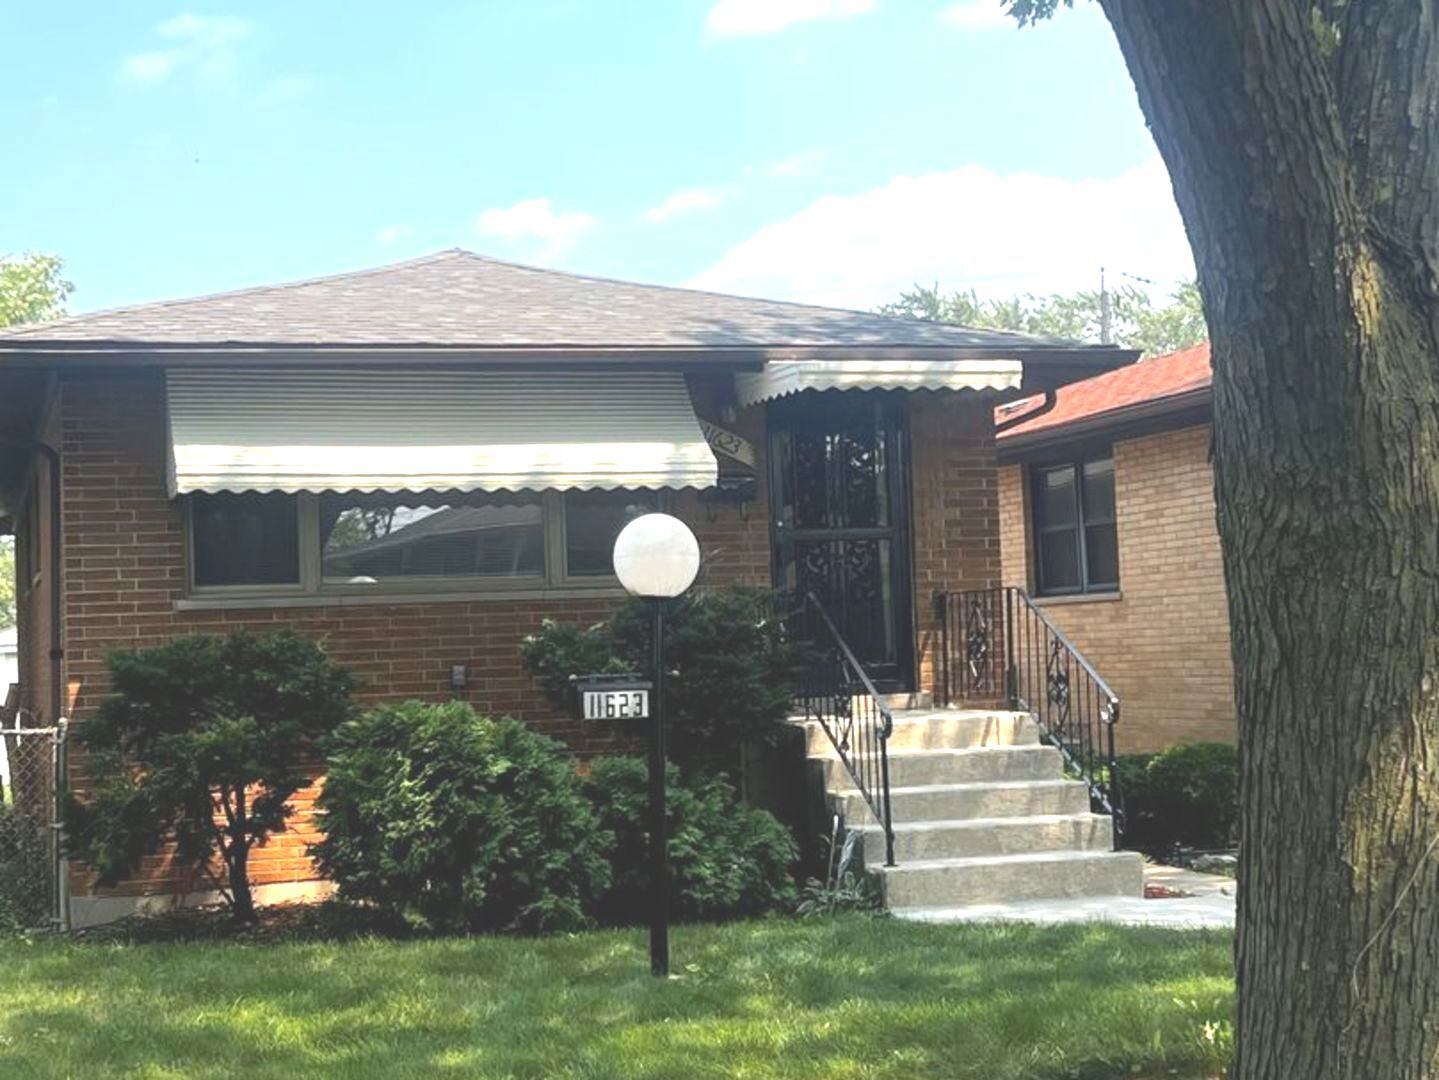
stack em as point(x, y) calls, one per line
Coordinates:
point(659, 855)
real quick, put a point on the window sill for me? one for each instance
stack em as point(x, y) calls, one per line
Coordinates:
point(607, 591)
point(1078, 598)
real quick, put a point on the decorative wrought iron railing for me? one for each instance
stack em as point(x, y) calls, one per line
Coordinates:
point(996, 645)
point(834, 690)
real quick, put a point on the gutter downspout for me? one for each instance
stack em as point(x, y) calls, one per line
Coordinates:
point(1051, 399)
point(57, 655)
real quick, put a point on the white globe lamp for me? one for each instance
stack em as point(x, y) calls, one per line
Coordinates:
point(656, 556)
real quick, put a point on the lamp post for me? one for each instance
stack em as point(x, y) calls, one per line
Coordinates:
point(657, 558)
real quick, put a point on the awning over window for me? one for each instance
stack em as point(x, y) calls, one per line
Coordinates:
point(790, 377)
point(358, 430)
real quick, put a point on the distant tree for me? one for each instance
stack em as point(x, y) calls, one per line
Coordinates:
point(7, 585)
point(1136, 322)
point(32, 288)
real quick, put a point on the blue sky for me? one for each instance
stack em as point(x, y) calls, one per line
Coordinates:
point(822, 150)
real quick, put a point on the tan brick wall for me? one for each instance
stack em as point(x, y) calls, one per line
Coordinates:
point(124, 564)
point(956, 509)
point(1164, 644)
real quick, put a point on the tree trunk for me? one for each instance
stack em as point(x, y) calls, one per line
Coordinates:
point(242, 899)
point(1304, 165)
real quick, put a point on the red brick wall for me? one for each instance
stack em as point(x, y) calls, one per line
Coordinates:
point(1163, 643)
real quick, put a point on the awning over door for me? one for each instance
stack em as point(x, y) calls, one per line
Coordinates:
point(791, 376)
point(359, 430)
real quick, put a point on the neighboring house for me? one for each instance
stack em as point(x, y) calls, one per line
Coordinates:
point(421, 462)
point(1107, 519)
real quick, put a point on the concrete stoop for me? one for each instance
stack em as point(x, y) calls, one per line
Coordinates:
point(983, 815)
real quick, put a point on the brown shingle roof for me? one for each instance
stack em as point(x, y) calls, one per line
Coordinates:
point(457, 299)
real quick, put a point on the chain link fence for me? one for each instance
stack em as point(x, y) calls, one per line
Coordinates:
point(32, 761)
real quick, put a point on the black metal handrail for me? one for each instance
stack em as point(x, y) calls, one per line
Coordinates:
point(996, 645)
point(835, 691)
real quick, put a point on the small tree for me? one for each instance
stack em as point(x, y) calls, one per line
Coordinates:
point(203, 743)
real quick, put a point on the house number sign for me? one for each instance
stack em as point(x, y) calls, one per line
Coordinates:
point(611, 697)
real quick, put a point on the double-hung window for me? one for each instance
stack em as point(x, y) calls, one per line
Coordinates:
point(409, 542)
point(1076, 540)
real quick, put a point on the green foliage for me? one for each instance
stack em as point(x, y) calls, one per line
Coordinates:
point(25, 871)
point(846, 887)
point(727, 859)
point(1136, 321)
point(1029, 12)
point(731, 667)
point(454, 822)
point(7, 585)
point(1186, 796)
point(203, 742)
point(32, 288)
point(849, 893)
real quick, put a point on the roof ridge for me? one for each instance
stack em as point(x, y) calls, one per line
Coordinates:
point(26, 329)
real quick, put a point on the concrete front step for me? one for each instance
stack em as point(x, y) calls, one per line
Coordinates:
point(948, 802)
point(978, 837)
point(990, 764)
point(994, 879)
point(942, 729)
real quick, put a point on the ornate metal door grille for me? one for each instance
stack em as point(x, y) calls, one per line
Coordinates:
point(840, 513)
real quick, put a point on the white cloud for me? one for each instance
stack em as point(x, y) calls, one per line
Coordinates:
point(741, 18)
point(686, 202)
point(966, 228)
point(203, 44)
point(535, 219)
point(391, 233)
point(977, 15)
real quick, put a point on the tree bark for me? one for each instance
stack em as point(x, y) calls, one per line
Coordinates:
point(1305, 168)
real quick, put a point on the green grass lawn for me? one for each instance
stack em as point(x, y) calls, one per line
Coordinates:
point(845, 998)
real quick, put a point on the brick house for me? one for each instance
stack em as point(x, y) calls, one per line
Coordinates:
point(420, 462)
point(1107, 519)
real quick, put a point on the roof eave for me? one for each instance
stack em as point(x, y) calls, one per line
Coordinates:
point(1049, 362)
point(1146, 417)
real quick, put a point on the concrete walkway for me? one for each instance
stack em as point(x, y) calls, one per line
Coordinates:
point(1210, 905)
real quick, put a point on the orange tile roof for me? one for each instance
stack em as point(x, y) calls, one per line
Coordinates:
point(1139, 383)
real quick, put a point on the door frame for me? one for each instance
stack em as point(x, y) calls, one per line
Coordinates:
point(901, 533)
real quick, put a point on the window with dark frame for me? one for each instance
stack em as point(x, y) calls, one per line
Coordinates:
point(1076, 538)
point(252, 543)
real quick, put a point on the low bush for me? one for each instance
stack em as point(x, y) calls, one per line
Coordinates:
point(454, 822)
point(1183, 797)
point(731, 660)
point(727, 859)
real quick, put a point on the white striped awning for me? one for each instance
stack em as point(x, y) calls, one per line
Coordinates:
point(783, 377)
point(441, 430)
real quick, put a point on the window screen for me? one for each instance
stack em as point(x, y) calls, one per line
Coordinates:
point(247, 539)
